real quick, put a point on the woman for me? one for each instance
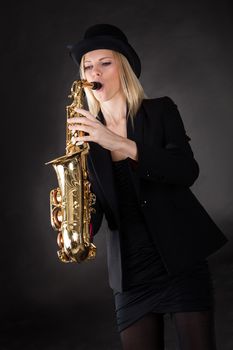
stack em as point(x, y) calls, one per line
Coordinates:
point(141, 167)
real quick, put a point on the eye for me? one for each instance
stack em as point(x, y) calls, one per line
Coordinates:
point(106, 63)
point(87, 67)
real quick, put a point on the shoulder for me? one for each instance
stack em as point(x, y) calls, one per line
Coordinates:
point(160, 105)
point(165, 109)
point(158, 102)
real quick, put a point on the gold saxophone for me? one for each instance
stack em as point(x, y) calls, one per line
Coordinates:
point(71, 203)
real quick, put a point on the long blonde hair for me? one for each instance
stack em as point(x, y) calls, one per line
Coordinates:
point(131, 87)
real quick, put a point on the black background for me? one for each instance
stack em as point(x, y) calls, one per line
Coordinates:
point(186, 53)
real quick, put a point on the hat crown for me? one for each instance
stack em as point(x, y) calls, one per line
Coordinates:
point(105, 36)
point(105, 30)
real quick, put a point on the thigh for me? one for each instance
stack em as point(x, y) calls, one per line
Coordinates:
point(146, 333)
point(195, 330)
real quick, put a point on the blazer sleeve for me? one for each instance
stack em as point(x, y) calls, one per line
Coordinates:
point(174, 163)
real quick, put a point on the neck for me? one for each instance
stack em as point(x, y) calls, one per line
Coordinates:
point(114, 110)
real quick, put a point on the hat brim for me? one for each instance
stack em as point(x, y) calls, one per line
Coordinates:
point(106, 42)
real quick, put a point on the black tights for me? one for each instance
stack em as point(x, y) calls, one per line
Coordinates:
point(195, 330)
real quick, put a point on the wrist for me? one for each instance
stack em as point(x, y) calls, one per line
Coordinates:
point(128, 148)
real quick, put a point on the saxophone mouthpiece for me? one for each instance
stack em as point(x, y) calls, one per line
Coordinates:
point(96, 85)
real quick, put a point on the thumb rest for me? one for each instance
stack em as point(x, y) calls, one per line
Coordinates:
point(71, 204)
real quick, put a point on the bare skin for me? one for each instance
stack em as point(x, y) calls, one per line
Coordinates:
point(101, 66)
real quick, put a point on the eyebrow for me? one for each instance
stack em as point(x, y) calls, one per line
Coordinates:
point(99, 59)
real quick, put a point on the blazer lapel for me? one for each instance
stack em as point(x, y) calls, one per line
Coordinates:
point(136, 134)
point(102, 162)
point(102, 165)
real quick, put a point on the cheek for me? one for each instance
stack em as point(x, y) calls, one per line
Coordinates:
point(114, 78)
point(87, 75)
point(112, 72)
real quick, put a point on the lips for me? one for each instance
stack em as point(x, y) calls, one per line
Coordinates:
point(101, 89)
point(96, 85)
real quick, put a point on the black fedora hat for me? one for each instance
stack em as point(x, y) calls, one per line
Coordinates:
point(105, 36)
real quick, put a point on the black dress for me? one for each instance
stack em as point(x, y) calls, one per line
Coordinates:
point(149, 288)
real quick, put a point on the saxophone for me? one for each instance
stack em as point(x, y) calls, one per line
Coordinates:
point(71, 204)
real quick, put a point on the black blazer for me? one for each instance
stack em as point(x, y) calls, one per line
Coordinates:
point(182, 230)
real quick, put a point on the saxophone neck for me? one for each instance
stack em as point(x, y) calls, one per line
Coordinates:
point(77, 94)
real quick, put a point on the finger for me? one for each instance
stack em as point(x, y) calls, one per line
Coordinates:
point(85, 113)
point(81, 120)
point(72, 120)
point(82, 127)
point(86, 138)
point(73, 127)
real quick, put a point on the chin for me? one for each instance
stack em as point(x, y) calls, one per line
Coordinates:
point(103, 98)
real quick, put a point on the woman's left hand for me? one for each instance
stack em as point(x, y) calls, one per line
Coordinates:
point(97, 132)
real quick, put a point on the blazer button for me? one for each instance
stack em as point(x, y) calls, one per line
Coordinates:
point(143, 204)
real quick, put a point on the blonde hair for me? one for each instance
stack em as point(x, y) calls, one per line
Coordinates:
point(130, 84)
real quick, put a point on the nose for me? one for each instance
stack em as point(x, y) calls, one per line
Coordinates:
point(96, 71)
